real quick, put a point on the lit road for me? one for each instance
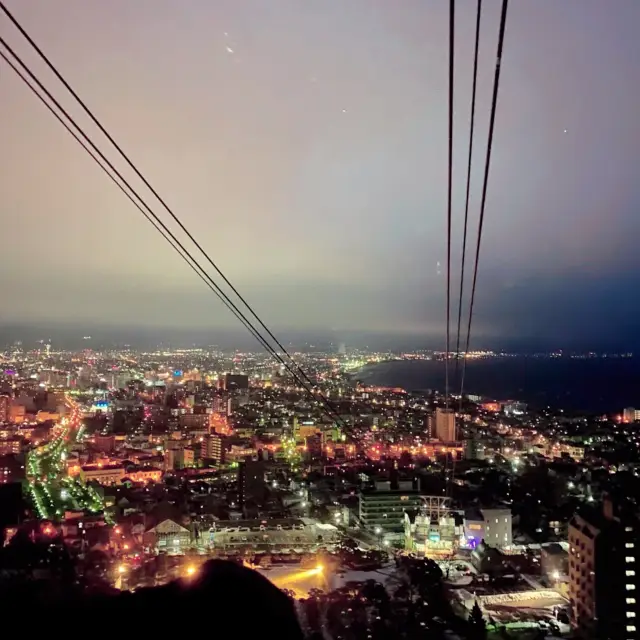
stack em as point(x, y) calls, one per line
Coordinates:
point(295, 579)
point(50, 488)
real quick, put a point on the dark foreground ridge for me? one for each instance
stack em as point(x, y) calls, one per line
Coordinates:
point(224, 598)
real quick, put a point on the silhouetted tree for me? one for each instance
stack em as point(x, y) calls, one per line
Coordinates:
point(477, 625)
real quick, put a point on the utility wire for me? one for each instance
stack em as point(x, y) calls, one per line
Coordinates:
point(157, 223)
point(466, 203)
point(494, 102)
point(88, 111)
point(452, 17)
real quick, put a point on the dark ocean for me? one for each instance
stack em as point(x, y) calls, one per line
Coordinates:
point(593, 385)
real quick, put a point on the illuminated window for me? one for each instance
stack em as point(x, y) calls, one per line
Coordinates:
point(630, 559)
point(630, 572)
point(630, 587)
point(631, 614)
point(631, 627)
point(629, 545)
point(631, 600)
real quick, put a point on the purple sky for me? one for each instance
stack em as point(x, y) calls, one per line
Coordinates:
point(304, 143)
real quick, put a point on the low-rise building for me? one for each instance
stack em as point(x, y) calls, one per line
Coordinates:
point(554, 562)
point(12, 468)
point(286, 534)
point(143, 475)
point(167, 536)
point(494, 527)
point(11, 445)
point(105, 475)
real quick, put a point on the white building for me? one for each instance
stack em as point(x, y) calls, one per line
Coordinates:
point(434, 529)
point(493, 526)
point(286, 534)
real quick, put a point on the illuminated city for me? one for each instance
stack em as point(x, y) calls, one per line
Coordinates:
point(187, 455)
point(318, 319)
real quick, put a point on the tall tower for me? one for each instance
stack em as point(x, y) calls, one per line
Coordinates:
point(445, 423)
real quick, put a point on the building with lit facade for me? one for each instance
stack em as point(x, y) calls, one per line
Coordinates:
point(167, 537)
point(11, 445)
point(494, 527)
point(434, 529)
point(603, 573)
point(5, 408)
point(212, 448)
point(381, 508)
point(104, 475)
point(281, 535)
point(445, 425)
point(630, 414)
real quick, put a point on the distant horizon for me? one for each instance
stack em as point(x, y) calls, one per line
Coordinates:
point(69, 335)
point(312, 168)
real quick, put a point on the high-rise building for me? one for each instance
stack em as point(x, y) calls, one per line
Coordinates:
point(603, 572)
point(382, 509)
point(630, 414)
point(445, 423)
point(212, 448)
point(251, 481)
point(220, 403)
point(473, 449)
point(5, 408)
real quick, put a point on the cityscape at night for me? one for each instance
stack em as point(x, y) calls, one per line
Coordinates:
point(146, 465)
point(406, 402)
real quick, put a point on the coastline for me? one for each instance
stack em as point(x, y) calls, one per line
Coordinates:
point(564, 383)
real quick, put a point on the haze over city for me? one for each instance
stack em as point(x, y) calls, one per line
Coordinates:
point(358, 447)
point(304, 145)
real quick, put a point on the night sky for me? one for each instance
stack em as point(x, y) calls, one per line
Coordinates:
point(305, 144)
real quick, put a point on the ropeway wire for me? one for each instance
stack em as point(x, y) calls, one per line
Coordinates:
point(452, 10)
point(91, 115)
point(487, 165)
point(151, 217)
point(466, 204)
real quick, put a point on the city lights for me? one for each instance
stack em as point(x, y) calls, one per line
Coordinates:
point(281, 493)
